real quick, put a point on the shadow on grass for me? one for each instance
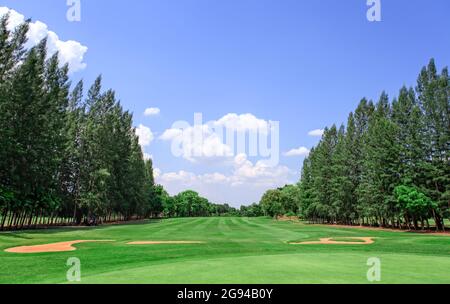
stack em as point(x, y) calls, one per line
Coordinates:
point(58, 229)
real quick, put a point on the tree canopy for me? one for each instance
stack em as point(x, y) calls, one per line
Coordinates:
point(389, 166)
point(67, 158)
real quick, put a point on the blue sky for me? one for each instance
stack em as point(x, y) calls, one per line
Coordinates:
point(304, 63)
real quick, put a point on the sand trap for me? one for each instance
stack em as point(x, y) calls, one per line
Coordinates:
point(165, 242)
point(55, 247)
point(288, 218)
point(329, 241)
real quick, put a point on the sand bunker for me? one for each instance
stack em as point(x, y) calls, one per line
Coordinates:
point(55, 247)
point(164, 242)
point(330, 241)
point(284, 218)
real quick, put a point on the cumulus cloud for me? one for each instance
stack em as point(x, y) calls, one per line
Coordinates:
point(246, 183)
point(258, 174)
point(316, 133)
point(247, 169)
point(70, 51)
point(223, 138)
point(171, 134)
point(145, 135)
point(196, 143)
point(242, 123)
point(302, 151)
point(152, 111)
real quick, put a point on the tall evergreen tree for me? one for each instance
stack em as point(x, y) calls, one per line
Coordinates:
point(434, 98)
point(391, 164)
point(340, 181)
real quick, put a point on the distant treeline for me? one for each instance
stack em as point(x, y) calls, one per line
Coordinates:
point(388, 167)
point(190, 204)
point(66, 159)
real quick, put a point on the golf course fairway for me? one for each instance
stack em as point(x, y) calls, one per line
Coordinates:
point(225, 250)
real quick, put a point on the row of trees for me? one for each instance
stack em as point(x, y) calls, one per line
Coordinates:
point(64, 158)
point(191, 204)
point(390, 166)
point(254, 210)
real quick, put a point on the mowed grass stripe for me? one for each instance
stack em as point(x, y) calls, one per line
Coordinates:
point(175, 228)
point(272, 230)
point(237, 250)
point(293, 268)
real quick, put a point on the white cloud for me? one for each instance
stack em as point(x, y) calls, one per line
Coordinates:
point(302, 151)
point(242, 123)
point(316, 133)
point(196, 143)
point(209, 141)
point(70, 52)
point(152, 111)
point(171, 134)
point(242, 179)
point(186, 178)
point(258, 174)
point(145, 135)
point(246, 183)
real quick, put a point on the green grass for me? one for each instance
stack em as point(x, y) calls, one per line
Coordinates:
point(237, 250)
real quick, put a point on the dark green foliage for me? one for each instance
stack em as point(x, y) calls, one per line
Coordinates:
point(414, 204)
point(434, 99)
point(254, 210)
point(281, 201)
point(64, 160)
point(190, 204)
point(390, 166)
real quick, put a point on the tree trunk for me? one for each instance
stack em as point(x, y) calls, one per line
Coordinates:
point(16, 220)
point(438, 221)
point(30, 221)
point(22, 221)
point(4, 217)
point(36, 222)
point(11, 215)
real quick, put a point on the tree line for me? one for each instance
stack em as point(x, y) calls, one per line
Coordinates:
point(190, 204)
point(66, 158)
point(389, 166)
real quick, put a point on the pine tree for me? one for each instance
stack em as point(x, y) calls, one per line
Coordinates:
point(155, 204)
point(70, 175)
point(433, 95)
point(12, 48)
point(323, 174)
point(409, 120)
point(65, 159)
point(340, 180)
point(380, 170)
point(390, 166)
point(352, 163)
point(306, 186)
